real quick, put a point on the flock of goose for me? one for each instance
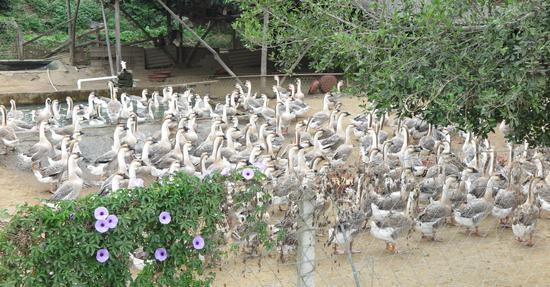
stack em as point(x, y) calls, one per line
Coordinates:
point(407, 179)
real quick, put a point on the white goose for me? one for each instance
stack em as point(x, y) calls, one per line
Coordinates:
point(70, 189)
point(7, 134)
point(40, 151)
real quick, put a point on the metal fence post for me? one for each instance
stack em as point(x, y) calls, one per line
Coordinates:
point(306, 237)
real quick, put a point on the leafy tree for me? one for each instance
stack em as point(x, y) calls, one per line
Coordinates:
point(472, 64)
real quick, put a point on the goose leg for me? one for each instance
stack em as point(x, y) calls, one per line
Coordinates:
point(388, 246)
point(477, 233)
point(351, 248)
point(338, 251)
point(530, 242)
point(394, 248)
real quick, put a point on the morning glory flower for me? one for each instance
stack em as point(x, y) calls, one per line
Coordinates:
point(198, 242)
point(165, 217)
point(102, 255)
point(248, 173)
point(101, 226)
point(225, 171)
point(260, 165)
point(135, 182)
point(161, 254)
point(112, 221)
point(101, 213)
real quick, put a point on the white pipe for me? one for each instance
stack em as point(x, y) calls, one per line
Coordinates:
point(80, 81)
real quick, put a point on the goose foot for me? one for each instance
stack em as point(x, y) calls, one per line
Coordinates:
point(504, 223)
point(477, 233)
point(431, 238)
point(519, 239)
point(451, 222)
point(394, 248)
point(530, 242)
point(352, 250)
point(338, 251)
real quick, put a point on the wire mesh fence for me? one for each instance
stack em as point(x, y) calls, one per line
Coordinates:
point(458, 259)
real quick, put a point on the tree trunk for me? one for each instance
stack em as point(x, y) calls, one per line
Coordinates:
point(107, 41)
point(73, 32)
point(70, 32)
point(118, 49)
point(263, 68)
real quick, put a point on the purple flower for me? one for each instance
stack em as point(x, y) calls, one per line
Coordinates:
point(226, 171)
point(260, 165)
point(198, 242)
point(202, 176)
point(248, 173)
point(135, 182)
point(112, 221)
point(161, 254)
point(165, 217)
point(71, 216)
point(102, 255)
point(101, 226)
point(101, 213)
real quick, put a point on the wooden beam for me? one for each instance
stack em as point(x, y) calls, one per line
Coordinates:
point(19, 43)
point(65, 44)
point(190, 56)
point(149, 36)
point(214, 53)
point(118, 48)
point(49, 32)
point(105, 26)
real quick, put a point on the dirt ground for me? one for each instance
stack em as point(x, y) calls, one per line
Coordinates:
point(458, 260)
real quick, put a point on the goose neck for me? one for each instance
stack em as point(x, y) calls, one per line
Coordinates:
point(122, 166)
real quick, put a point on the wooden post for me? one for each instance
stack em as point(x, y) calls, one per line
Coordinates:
point(118, 49)
point(214, 53)
point(70, 32)
point(263, 68)
point(73, 32)
point(107, 42)
point(169, 30)
point(19, 43)
point(97, 37)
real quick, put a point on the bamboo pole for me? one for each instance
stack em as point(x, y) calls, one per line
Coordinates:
point(107, 39)
point(214, 53)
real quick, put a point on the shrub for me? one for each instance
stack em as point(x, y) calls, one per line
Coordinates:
point(60, 245)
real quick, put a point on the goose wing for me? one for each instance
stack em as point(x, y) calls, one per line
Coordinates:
point(63, 191)
point(473, 209)
point(434, 212)
point(505, 199)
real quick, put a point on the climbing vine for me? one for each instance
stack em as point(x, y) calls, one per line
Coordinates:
point(176, 226)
